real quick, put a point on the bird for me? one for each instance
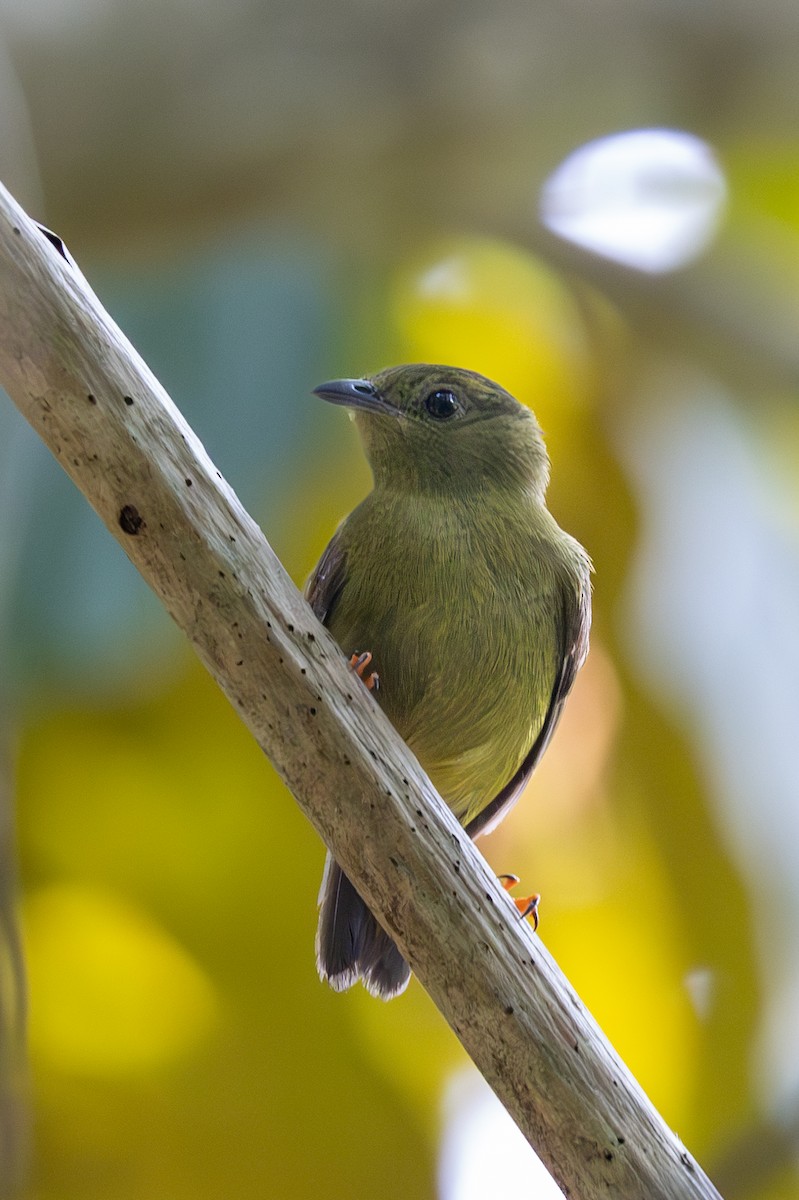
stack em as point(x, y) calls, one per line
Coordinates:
point(453, 581)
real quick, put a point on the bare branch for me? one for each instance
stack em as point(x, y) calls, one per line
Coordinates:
point(118, 435)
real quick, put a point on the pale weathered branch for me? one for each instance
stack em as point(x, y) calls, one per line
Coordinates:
point(118, 435)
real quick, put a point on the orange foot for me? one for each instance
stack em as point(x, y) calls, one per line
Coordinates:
point(359, 663)
point(527, 905)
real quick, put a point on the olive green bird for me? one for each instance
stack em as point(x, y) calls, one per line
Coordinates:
point(473, 603)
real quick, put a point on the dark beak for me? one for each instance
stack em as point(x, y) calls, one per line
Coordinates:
point(355, 393)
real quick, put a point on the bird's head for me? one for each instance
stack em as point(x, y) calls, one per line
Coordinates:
point(443, 429)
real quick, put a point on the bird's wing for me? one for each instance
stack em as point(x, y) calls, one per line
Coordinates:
point(327, 581)
point(575, 625)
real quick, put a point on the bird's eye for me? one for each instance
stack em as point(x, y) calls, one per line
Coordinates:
point(442, 404)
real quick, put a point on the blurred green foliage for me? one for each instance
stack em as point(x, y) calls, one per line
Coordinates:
point(269, 196)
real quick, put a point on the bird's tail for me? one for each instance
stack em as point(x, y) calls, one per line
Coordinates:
point(350, 945)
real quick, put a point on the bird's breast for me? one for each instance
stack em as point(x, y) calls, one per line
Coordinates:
point(462, 621)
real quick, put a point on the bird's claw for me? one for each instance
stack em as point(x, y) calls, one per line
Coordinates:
point(359, 663)
point(527, 905)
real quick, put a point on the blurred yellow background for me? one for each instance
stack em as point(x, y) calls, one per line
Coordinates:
point(267, 196)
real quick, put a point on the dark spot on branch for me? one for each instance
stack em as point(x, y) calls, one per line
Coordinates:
point(607, 1155)
point(188, 482)
point(312, 711)
point(290, 628)
point(508, 1010)
point(311, 637)
point(54, 240)
point(91, 399)
point(130, 520)
point(128, 400)
point(17, 229)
